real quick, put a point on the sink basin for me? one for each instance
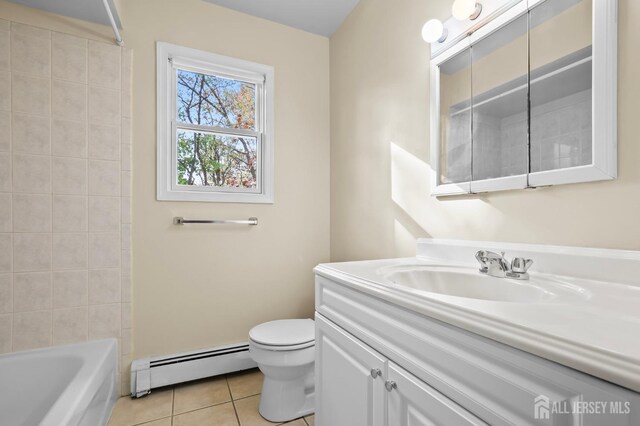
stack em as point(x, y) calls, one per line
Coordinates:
point(469, 283)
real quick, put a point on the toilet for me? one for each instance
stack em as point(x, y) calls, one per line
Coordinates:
point(285, 352)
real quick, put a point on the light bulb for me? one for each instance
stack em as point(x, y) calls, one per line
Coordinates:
point(466, 9)
point(434, 31)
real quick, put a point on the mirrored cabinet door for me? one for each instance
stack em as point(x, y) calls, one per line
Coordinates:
point(455, 121)
point(561, 84)
point(499, 104)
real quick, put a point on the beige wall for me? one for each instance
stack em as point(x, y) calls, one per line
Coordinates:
point(380, 165)
point(200, 286)
point(64, 184)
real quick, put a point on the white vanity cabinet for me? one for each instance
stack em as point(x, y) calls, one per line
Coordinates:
point(379, 363)
point(358, 386)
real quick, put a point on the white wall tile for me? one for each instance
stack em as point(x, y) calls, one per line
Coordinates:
point(126, 315)
point(104, 286)
point(125, 216)
point(69, 58)
point(6, 293)
point(125, 288)
point(30, 55)
point(70, 213)
point(127, 68)
point(104, 65)
point(125, 179)
point(32, 291)
point(104, 214)
point(125, 344)
point(125, 161)
point(125, 232)
point(31, 252)
point(126, 104)
point(30, 95)
point(104, 106)
point(5, 91)
point(104, 321)
point(126, 262)
point(31, 330)
point(70, 325)
point(6, 248)
point(104, 250)
point(5, 50)
point(69, 100)
point(5, 131)
point(104, 177)
point(69, 175)
point(6, 220)
point(69, 138)
point(104, 142)
point(70, 288)
point(31, 134)
point(31, 213)
point(28, 30)
point(31, 173)
point(6, 325)
point(5, 172)
point(70, 251)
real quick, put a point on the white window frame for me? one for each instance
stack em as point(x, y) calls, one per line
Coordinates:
point(171, 57)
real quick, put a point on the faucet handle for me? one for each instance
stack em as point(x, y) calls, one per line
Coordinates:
point(520, 265)
point(481, 257)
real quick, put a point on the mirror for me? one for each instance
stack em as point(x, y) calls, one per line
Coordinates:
point(527, 98)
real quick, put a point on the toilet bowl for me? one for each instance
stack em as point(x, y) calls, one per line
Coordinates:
point(285, 352)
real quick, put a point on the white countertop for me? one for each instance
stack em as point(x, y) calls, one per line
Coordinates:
point(598, 334)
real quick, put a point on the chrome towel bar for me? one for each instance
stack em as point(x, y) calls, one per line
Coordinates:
point(251, 221)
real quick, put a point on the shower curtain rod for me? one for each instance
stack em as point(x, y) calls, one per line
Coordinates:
point(113, 23)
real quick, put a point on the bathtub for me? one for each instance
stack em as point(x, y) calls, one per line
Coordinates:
point(64, 385)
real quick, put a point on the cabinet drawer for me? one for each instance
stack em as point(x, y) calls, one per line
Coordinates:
point(497, 383)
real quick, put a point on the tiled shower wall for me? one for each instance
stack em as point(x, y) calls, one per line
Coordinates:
point(65, 178)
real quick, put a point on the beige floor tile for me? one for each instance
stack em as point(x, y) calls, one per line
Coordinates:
point(128, 411)
point(311, 420)
point(200, 394)
point(297, 422)
point(218, 415)
point(248, 414)
point(245, 383)
point(162, 422)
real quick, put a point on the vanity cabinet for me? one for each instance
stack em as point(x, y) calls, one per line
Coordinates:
point(358, 386)
point(431, 373)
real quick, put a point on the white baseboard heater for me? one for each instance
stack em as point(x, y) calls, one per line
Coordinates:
point(149, 373)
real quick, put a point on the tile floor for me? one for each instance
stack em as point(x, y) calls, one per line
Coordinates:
point(230, 400)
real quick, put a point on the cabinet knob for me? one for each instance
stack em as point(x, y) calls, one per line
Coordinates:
point(390, 385)
point(375, 372)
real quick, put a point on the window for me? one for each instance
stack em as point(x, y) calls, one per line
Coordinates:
point(215, 127)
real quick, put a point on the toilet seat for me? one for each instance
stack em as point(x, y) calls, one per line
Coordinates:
point(284, 335)
point(281, 347)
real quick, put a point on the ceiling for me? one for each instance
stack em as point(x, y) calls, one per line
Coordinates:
point(87, 10)
point(321, 17)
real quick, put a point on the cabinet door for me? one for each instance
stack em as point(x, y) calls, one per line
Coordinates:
point(414, 403)
point(347, 394)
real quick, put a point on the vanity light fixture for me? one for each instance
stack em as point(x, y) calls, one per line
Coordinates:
point(466, 9)
point(433, 31)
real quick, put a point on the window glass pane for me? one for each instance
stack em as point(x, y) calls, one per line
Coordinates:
point(500, 102)
point(206, 159)
point(561, 72)
point(455, 119)
point(209, 100)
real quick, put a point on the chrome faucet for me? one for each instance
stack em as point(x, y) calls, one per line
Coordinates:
point(496, 265)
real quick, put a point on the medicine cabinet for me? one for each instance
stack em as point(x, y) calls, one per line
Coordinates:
point(526, 98)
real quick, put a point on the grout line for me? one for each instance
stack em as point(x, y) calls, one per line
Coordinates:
point(226, 379)
point(246, 397)
point(173, 402)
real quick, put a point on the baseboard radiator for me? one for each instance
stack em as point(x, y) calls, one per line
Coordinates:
point(149, 373)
